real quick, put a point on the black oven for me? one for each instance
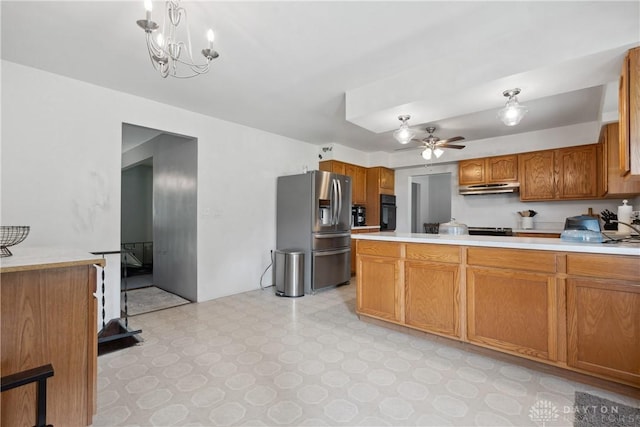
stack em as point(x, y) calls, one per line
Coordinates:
point(387, 212)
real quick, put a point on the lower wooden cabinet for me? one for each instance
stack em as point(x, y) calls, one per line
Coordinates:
point(513, 311)
point(604, 327)
point(603, 315)
point(379, 274)
point(49, 316)
point(571, 310)
point(432, 297)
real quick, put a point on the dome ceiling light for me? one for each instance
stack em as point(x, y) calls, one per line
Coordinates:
point(403, 134)
point(512, 112)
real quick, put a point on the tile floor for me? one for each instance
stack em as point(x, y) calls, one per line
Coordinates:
point(256, 359)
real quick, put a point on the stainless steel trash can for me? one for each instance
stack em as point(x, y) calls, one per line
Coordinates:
point(288, 272)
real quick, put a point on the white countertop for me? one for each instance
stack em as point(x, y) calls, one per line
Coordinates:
point(36, 258)
point(535, 243)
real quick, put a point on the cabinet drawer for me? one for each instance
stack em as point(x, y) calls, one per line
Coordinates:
point(439, 253)
point(512, 259)
point(389, 249)
point(604, 266)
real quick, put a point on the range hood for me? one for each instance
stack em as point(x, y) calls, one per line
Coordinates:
point(497, 188)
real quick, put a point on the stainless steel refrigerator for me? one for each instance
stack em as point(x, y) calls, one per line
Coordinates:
point(314, 216)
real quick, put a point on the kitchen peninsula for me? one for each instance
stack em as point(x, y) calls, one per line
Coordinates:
point(572, 305)
point(49, 317)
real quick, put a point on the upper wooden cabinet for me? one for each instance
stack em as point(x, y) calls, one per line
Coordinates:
point(488, 170)
point(562, 174)
point(380, 180)
point(614, 184)
point(333, 166)
point(358, 176)
point(629, 110)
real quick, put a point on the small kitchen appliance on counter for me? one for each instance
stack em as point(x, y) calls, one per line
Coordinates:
point(453, 228)
point(582, 228)
point(358, 212)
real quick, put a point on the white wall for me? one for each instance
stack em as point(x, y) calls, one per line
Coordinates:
point(61, 169)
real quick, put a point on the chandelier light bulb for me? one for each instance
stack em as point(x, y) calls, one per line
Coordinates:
point(438, 152)
point(148, 7)
point(512, 112)
point(160, 40)
point(426, 154)
point(210, 37)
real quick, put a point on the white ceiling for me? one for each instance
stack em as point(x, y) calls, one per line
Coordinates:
point(341, 72)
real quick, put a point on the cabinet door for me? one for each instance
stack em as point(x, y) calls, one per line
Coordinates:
point(512, 310)
point(603, 327)
point(578, 172)
point(358, 176)
point(502, 169)
point(634, 111)
point(387, 179)
point(615, 185)
point(378, 289)
point(432, 297)
point(624, 163)
point(471, 172)
point(536, 171)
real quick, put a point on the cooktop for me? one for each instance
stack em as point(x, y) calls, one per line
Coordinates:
point(490, 231)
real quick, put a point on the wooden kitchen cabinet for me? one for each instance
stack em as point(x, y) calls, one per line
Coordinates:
point(577, 172)
point(603, 316)
point(358, 176)
point(629, 114)
point(510, 292)
point(432, 289)
point(353, 244)
point(488, 170)
point(537, 175)
point(563, 174)
point(49, 316)
point(379, 271)
point(613, 183)
point(380, 180)
point(333, 166)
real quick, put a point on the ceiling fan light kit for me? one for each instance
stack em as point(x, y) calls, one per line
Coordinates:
point(512, 112)
point(169, 55)
point(432, 145)
point(403, 134)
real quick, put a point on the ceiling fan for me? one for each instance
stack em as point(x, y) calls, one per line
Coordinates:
point(432, 145)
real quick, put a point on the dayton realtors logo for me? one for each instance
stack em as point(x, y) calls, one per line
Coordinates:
point(543, 411)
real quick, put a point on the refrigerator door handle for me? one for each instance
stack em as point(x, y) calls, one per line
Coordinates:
point(334, 201)
point(339, 186)
point(329, 253)
point(331, 236)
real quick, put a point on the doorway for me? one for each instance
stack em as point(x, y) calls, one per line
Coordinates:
point(159, 217)
point(430, 200)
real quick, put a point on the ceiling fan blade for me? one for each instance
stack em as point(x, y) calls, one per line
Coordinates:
point(457, 147)
point(410, 148)
point(454, 139)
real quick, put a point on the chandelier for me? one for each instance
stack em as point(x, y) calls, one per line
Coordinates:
point(170, 55)
point(512, 112)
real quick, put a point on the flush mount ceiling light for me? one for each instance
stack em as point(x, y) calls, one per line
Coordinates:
point(512, 112)
point(403, 134)
point(169, 55)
